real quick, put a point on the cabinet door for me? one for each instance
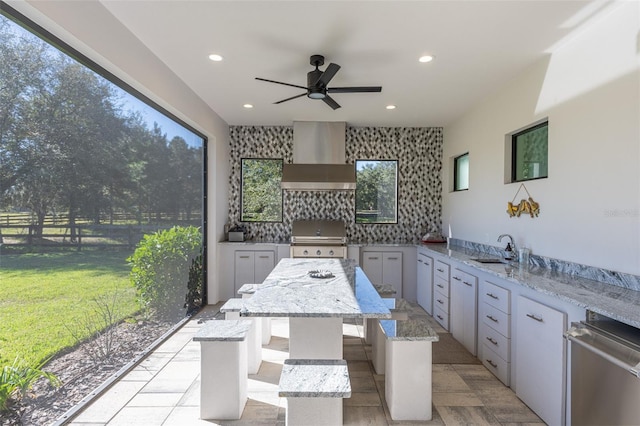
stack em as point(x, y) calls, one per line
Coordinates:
point(540, 359)
point(372, 266)
point(463, 310)
point(392, 271)
point(244, 269)
point(264, 264)
point(424, 274)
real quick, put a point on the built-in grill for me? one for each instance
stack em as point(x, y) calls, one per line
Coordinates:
point(318, 238)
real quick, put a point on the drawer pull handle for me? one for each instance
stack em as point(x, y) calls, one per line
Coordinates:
point(440, 301)
point(492, 318)
point(493, 296)
point(491, 363)
point(456, 278)
point(392, 258)
point(492, 341)
point(469, 284)
point(440, 318)
point(373, 258)
point(533, 317)
point(440, 285)
point(244, 257)
point(420, 261)
point(439, 270)
point(264, 257)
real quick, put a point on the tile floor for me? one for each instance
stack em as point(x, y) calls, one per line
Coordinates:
point(164, 389)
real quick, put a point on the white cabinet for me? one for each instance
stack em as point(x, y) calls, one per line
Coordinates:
point(384, 268)
point(540, 359)
point(252, 267)
point(424, 284)
point(463, 308)
point(441, 293)
point(494, 331)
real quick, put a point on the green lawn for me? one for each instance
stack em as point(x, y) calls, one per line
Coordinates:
point(42, 296)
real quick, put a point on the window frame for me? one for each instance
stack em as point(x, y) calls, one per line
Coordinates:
point(242, 218)
point(455, 172)
point(514, 150)
point(397, 188)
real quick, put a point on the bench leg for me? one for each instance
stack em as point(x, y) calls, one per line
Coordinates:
point(266, 330)
point(408, 389)
point(314, 412)
point(223, 379)
point(315, 338)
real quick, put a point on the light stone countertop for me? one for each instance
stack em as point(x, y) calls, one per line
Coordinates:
point(308, 378)
point(408, 330)
point(616, 302)
point(223, 330)
point(289, 291)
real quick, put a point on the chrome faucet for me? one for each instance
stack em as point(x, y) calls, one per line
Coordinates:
point(510, 254)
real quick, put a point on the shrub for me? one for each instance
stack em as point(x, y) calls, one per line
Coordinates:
point(18, 378)
point(160, 269)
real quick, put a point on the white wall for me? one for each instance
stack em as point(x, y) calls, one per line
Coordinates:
point(589, 88)
point(89, 28)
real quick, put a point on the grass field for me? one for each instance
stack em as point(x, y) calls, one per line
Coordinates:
point(45, 296)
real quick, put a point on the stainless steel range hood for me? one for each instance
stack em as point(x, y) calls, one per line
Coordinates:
point(318, 158)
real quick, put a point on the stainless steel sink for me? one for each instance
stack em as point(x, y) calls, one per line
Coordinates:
point(488, 260)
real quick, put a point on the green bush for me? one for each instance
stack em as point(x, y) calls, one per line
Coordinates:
point(160, 269)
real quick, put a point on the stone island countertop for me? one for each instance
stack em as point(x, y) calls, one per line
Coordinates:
point(290, 291)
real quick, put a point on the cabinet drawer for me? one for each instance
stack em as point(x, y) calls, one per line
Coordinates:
point(498, 366)
point(496, 341)
point(441, 286)
point(441, 317)
point(496, 296)
point(442, 270)
point(496, 319)
point(441, 302)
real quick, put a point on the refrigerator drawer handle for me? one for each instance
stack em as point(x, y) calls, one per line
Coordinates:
point(575, 338)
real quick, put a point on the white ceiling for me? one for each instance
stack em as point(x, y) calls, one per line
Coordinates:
point(478, 45)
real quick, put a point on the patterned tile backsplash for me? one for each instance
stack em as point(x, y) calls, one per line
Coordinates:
point(419, 154)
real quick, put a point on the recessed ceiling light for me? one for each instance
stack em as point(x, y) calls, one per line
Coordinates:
point(215, 58)
point(248, 106)
point(425, 58)
point(391, 107)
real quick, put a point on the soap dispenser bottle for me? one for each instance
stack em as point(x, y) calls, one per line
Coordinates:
point(508, 252)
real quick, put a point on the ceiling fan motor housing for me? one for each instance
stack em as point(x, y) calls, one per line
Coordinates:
point(313, 91)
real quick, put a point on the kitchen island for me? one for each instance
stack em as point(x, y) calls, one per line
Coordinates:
point(316, 306)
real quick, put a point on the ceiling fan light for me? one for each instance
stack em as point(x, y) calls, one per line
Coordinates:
point(215, 58)
point(316, 95)
point(425, 58)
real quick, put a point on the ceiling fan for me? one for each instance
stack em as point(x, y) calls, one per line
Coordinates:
point(317, 82)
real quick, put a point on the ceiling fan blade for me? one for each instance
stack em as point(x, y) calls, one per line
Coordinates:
point(279, 82)
point(329, 101)
point(327, 75)
point(288, 99)
point(362, 89)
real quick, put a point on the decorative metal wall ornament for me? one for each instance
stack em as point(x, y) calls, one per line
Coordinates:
point(526, 206)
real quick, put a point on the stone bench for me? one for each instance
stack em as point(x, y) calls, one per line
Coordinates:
point(398, 308)
point(408, 390)
point(385, 290)
point(247, 290)
point(231, 310)
point(314, 389)
point(223, 368)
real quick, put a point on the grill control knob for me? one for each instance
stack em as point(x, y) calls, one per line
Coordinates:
point(318, 252)
point(306, 252)
point(330, 252)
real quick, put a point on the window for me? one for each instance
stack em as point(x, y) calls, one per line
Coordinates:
point(529, 153)
point(261, 195)
point(90, 169)
point(461, 172)
point(376, 191)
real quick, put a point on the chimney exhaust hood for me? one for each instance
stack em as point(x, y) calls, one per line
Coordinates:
point(319, 158)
